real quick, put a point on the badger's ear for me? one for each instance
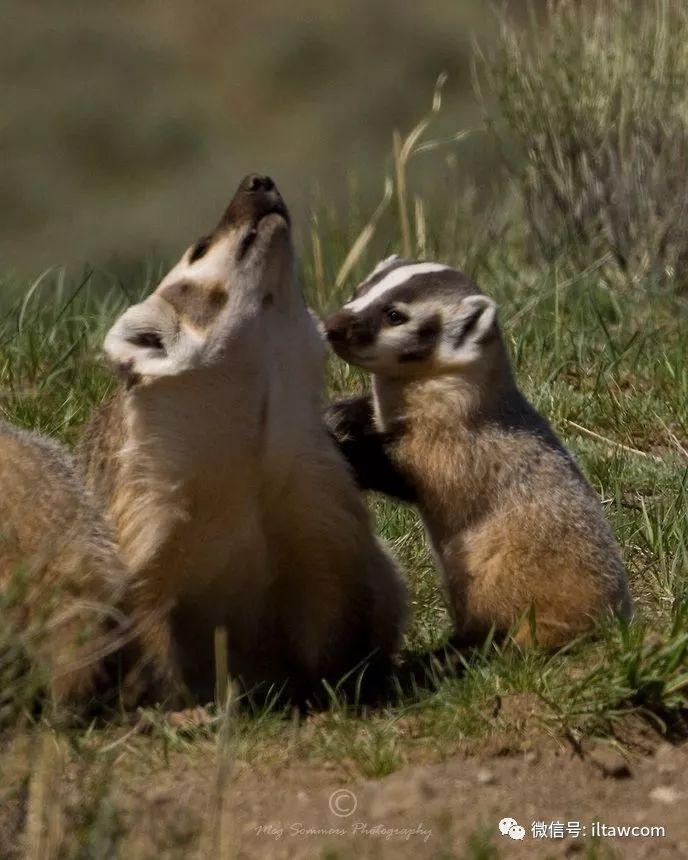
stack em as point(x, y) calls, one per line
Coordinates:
point(474, 324)
point(146, 342)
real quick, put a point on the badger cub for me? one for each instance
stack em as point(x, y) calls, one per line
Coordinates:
point(515, 527)
point(232, 506)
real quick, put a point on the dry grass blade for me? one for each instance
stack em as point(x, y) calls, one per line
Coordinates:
point(673, 438)
point(600, 438)
point(318, 266)
point(358, 248)
point(220, 839)
point(44, 830)
point(421, 227)
point(221, 665)
point(400, 177)
point(409, 145)
point(403, 150)
point(431, 145)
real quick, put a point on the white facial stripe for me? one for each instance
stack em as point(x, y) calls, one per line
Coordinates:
point(210, 267)
point(394, 279)
point(385, 264)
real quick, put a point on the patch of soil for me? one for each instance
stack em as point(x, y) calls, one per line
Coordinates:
point(433, 810)
point(189, 806)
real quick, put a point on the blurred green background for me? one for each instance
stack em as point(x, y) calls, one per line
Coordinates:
point(126, 125)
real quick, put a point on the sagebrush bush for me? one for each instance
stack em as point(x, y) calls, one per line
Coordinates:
point(592, 114)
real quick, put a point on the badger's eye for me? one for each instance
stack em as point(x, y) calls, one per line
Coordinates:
point(395, 317)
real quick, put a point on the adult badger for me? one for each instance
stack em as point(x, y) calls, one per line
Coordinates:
point(232, 506)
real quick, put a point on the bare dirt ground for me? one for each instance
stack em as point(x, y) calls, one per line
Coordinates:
point(189, 804)
point(449, 809)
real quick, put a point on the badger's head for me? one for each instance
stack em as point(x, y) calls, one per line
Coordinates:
point(411, 319)
point(240, 271)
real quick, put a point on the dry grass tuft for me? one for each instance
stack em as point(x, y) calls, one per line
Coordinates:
point(592, 118)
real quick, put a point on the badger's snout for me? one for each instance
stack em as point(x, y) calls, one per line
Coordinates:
point(347, 332)
point(338, 326)
point(256, 197)
point(254, 183)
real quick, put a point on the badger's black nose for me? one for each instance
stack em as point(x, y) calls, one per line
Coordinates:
point(337, 326)
point(256, 182)
point(256, 196)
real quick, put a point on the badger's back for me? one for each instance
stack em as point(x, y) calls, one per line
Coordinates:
point(60, 574)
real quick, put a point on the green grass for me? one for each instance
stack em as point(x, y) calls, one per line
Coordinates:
point(614, 365)
point(608, 369)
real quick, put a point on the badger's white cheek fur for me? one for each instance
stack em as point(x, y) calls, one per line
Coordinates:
point(454, 359)
point(390, 344)
point(184, 353)
point(179, 352)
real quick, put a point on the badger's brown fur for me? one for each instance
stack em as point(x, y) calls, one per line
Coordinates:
point(231, 505)
point(516, 528)
point(60, 576)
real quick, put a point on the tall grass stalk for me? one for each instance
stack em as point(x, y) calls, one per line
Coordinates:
point(403, 150)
